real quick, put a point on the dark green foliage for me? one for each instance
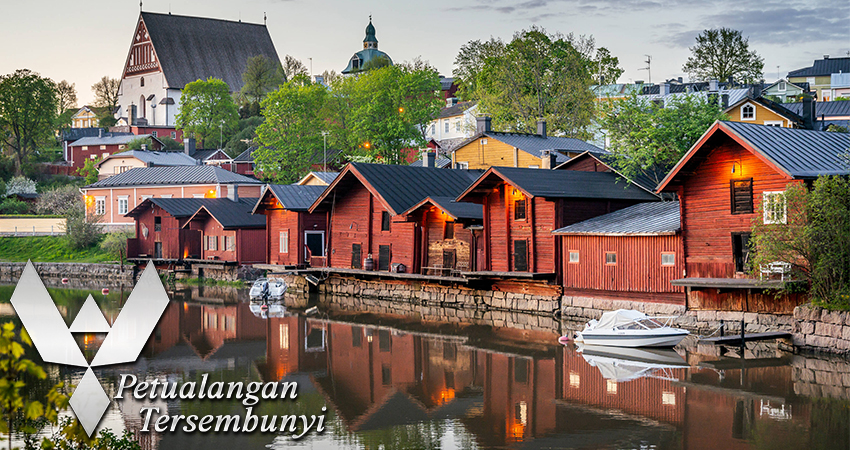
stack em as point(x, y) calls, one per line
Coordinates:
point(136, 144)
point(28, 104)
point(12, 205)
point(170, 144)
point(723, 53)
point(89, 171)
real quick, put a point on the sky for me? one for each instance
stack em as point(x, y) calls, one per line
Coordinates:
point(83, 41)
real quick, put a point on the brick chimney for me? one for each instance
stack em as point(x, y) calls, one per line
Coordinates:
point(482, 124)
point(548, 160)
point(189, 146)
point(541, 127)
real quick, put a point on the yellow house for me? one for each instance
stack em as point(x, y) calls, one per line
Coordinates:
point(131, 159)
point(318, 179)
point(488, 148)
point(819, 76)
point(763, 112)
point(86, 117)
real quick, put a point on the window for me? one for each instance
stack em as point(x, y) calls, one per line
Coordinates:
point(462, 165)
point(385, 343)
point(157, 224)
point(100, 206)
point(433, 129)
point(610, 258)
point(811, 81)
point(123, 203)
point(457, 125)
point(384, 256)
point(385, 221)
point(775, 208)
point(146, 196)
point(521, 370)
point(104, 155)
point(781, 86)
point(121, 147)
point(742, 196)
point(142, 82)
point(741, 251)
point(447, 126)
point(520, 255)
point(103, 147)
point(197, 195)
point(314, 241)
point(449, 259)
point(85, 147)
point(519, 209)
point(483, 141)
point(153, 133)
point(229, 246)
point(173, 135)
point(356, 257)
point(668, 259)
point(386, 376)
point(774, 123)
point(449, 231)
point(574, 257)
point(166, 195)
point(284, 242)
point(93, 156)
point(212, 243)
point(748, 112)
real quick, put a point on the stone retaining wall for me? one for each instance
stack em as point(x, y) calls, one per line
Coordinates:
point(821, 330)
point(10, 272)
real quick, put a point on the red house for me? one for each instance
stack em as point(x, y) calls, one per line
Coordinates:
point(101, 146)
point(522, 207)
point(450, 234)
point(244, 163)
point(371, 214)
point(723, 182)
point(230, 234)
point(159, 230)
point(633, 253)
point(295, 236)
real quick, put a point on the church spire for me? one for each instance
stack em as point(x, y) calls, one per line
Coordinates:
point(370, 41)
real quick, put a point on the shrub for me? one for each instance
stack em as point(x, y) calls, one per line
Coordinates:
point(115, 243)
point(89, 171)
point(82, 230)
point(13, 206)
point(58, 200)
point(20, 185)
point(170, 144)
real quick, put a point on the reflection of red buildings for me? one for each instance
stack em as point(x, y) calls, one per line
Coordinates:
point(294, 344)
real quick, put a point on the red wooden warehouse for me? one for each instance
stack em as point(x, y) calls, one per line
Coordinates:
point(230, 234)
point(369, 206)
point(159, 230)
point(632, 253)
point(522, 207)
point(295, 236)
point(724, 181)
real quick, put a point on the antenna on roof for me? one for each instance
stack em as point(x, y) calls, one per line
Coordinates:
point(264, 17)
point(140, 5)
point(648, 63)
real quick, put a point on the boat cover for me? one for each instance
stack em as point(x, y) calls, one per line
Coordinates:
point(619, 317)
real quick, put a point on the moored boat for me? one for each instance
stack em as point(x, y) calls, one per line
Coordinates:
point(277, 287)
point(260, 289)
point(629, 328)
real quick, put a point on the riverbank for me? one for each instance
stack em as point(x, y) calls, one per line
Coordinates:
point(49, 249)
point(111, 274)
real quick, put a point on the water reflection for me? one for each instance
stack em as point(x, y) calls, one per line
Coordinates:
point(408, 380)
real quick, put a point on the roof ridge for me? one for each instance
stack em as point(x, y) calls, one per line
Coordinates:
point(202, 18)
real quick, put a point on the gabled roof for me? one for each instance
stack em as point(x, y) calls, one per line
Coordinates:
point(559, 184)
point(654, 218)
point(111, 139)
point(193, 48)
point(826, 109)
point(293, 197)
point(777, 108)
point(606, 159)
point(203, 155)
point(536, 144)
point(400, 187)
point(155, 158)
point(177, 207)
point(173, 175)
point(325, 177)
point(440, 163)
point(801, 86)
point(246, 156)
point(794, 153)
point(823, 67)
point(455, 210)
point(230, 214)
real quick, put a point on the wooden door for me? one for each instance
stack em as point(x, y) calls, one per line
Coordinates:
point(520, 255)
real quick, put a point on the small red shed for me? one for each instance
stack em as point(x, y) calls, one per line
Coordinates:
point(295, 236)
point(159, 230)
point(229, 232)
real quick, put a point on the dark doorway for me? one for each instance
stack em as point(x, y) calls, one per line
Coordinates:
point(157, 250)
point(741, 251)
point(383, 257)
point(521, 255)
point(315, 242)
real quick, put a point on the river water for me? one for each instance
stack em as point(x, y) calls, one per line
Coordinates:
point(425, 377)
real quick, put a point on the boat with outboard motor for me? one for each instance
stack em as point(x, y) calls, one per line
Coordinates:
point(260, 289)
point(630, 328)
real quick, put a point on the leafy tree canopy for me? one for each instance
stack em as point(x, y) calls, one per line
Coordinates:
point(106, 98)
point(722, 53)
point(28, 107)
point(207, 110)
point(261, 76)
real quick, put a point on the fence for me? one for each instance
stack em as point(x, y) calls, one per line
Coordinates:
point(31, 226)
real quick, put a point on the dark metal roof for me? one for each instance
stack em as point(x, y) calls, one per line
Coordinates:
point(327, 177)
point(441, 163)
point(232, 214)
point(823, 67)
point(404, 186)
point(156, 158)
point(827, 109)
point(192, 48)
point(456, 110)
point(459, 210)
point(203, 155)
point(177, 207)
point(109, 139)
point(72, 134)
point(570, 184)
point(641, 219)
point(246, 156)
point(296, 197)
point(800, 153)
point(174, 175)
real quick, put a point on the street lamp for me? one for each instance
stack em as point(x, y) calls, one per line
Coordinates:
point(325, 147)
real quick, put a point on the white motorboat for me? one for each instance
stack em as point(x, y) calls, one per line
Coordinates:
point(629, 328)
point(277, 287)
point(260, 289)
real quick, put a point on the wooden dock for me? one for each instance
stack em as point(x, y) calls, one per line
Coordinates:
point(735, 340)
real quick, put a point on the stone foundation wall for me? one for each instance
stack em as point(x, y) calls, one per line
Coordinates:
point(818, 378)
point(227, 273)
point(10, 272)
point(821, 330)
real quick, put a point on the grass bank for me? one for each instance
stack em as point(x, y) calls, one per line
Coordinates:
point(48, 249)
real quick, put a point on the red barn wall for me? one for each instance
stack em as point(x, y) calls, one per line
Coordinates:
point(295, 223)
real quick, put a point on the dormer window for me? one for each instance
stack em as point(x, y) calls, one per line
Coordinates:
point(748, 112)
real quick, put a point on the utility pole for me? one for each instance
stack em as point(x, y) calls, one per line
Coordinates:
point(325, 146)
point(647, 68)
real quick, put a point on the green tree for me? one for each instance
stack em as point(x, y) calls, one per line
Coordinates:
point(137, 143)
point(207, 110)
point(260, 77)
point(67, 103)
point(814, 237)
point(605, 67)
point(291, 131)
point(115, 243)
point(28, 105)
point(292, 68)
point(722, 53)
point(648, 138)
point(536, 75)
point(106, 98)
point(89, 171)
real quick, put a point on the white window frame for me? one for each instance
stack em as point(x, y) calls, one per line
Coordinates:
point(782, 86)
point(153, 133)
point(743, 116)
point(574, 257)
point(211, 243)
point(668, 263)
point(447, 126)
point(100, 205)
point(323, 242)
point(197, 195)
point(166, 195)
point(463, 165)
point(123, 204)
point(229, 243)
point(146, 196)
point(768, 199)
point(775, 123)
point(284, 242)
point(103, 147)
point(85, 147)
